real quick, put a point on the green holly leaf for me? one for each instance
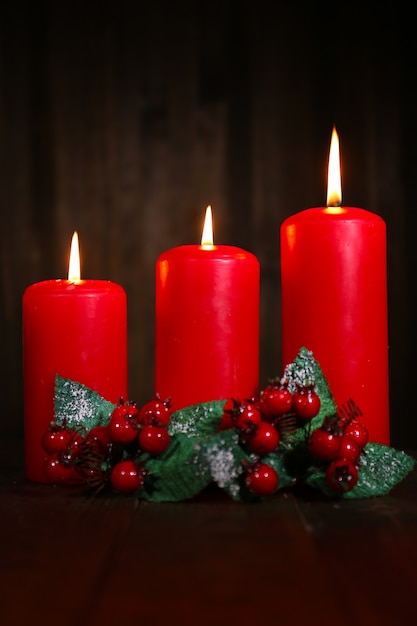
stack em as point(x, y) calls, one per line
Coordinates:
point(198, 420)
point(380, 469)
point(223, 455)
point(278, 461)
point(191, 464)
point(78, 406)
point(178, 473)
point(305, 370)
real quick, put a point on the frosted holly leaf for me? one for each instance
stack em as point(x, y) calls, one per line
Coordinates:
point(177, 474)
point(380, 469)
point(191, 464)
point(224, 456)
point(78, 406)
point(303, 371)
point(198, 420)
point(195, 459)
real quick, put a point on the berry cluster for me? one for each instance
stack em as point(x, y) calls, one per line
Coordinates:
point(262, 423)
point(109, 455)
point(338, 443)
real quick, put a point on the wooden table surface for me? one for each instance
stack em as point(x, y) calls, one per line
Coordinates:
point(72, 559)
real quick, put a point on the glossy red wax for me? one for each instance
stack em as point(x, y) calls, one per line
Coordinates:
point(334, 302)
point(78, 331)
point(207, 324)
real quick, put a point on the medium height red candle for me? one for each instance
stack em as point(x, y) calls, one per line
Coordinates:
point(334, 302)
point(207, 323)
point(78, 330)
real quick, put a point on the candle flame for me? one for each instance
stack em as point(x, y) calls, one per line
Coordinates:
point(74, 273)
point(334, 185)
point(207, 236)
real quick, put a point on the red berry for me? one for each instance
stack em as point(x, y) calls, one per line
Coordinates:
point(123, 424)
point(156, 411)
point(55, 438)
point(341, 475)
point(275, 400)
point(306, 402)
point(101, 435)
point(264, 440)
point(261, 479)
point(226, 422)
point(357, 431)
point(154, 439)
point(127, 477)
point(73, 443)
point(56, 471)
point(324, 445)
point(227, 418)
point(349, 449)
point(97, 441)
point(245, 415)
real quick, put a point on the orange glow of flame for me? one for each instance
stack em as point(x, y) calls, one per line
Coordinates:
point(334, 185)
point(207, 236)
point(74, 274)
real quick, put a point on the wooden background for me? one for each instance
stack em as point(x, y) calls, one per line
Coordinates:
point(124, 120)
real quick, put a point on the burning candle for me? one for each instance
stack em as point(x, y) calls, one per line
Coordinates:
point(207, 322)
point(77, 329)
point(334, 299)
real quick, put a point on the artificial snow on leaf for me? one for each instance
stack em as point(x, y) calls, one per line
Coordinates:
point(223, 455)
point(199, 420)
point(76, 405)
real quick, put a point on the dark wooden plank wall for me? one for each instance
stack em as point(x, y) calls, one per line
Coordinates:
point(123, 120)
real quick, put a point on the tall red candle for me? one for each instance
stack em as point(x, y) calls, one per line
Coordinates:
point(207, 324)
point(77, 329)
point(334, 302)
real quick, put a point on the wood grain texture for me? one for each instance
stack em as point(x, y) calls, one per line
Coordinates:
point(124, 120)
point(100, 560)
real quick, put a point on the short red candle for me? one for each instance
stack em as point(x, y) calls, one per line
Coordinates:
point(77, 330)
point(334, 302)
point(207, 324)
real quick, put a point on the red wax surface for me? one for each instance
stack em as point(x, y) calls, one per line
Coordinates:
point(78, 331)
point(334, 302)
point(207, 324)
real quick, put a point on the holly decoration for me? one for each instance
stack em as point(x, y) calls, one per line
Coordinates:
point(293, 434)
